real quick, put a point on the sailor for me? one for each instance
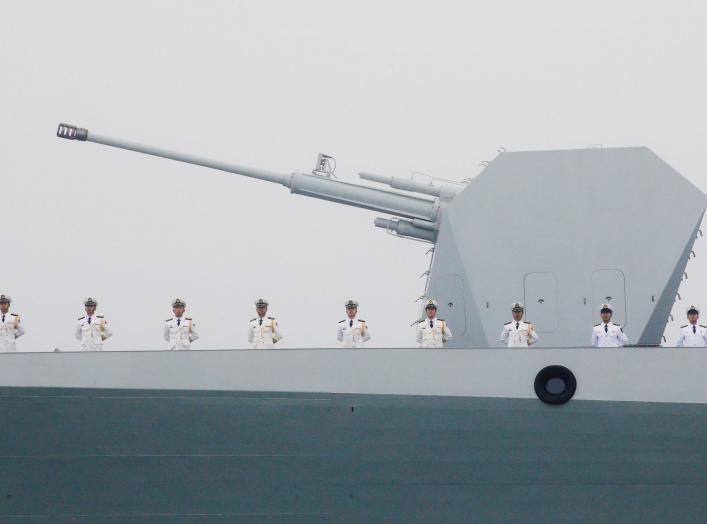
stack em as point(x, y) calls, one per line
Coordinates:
point(10, 327)
point(692, 334)
point(432, 332)
point(606, 334)
point(263, 331)
point(179, 331)
point(518, 333)
point(92, 330)
point(353, 331)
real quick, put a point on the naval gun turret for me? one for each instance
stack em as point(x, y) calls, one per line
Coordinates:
point(562, 231)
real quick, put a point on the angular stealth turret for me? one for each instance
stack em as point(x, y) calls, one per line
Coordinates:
point(563, 231)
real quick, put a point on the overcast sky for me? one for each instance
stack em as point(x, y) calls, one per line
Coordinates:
point(388, 87)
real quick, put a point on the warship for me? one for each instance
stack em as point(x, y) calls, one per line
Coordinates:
point(473, 432)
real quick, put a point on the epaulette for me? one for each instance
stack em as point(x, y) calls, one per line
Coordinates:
point(252, 319)
point(340, 321)
point(527, 321)
point(599, 324)
point(81, 318)
point(168, 320)
point(14, 314)
point(361, 320)
point(187, 318)
point(99, 316)
point(506, 323)
point(683, 326)
point(271, 318)
point(441, 319)
point(703, 326)
point(420, 321)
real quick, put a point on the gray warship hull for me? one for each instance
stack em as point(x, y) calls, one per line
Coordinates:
point(351, 435)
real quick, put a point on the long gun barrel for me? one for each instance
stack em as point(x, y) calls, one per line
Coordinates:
point(414, 207)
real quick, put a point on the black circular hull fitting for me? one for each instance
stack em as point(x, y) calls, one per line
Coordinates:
point(555, 384)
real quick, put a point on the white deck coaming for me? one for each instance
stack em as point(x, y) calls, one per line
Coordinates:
point(629, 374)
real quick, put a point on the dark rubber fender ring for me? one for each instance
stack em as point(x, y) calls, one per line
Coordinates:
point(550, 395)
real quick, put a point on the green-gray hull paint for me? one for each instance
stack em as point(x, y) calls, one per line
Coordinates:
point(138, 456)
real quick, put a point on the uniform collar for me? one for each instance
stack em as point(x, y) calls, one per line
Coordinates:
point(349, 319)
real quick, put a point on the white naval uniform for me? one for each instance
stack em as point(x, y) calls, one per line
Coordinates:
point(92, 331)
point(433, 336)
point(263, 332)
point(608, 336)
point(10, 330)
point(352, 333)
point(519, 334)
point(180, 333)
point(692, 336)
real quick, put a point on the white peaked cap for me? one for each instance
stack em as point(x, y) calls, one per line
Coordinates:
point(691, 308)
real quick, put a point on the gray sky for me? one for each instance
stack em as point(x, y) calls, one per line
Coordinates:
point(388, 87)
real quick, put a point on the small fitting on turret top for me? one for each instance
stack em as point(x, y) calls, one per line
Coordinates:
point(72, 132)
